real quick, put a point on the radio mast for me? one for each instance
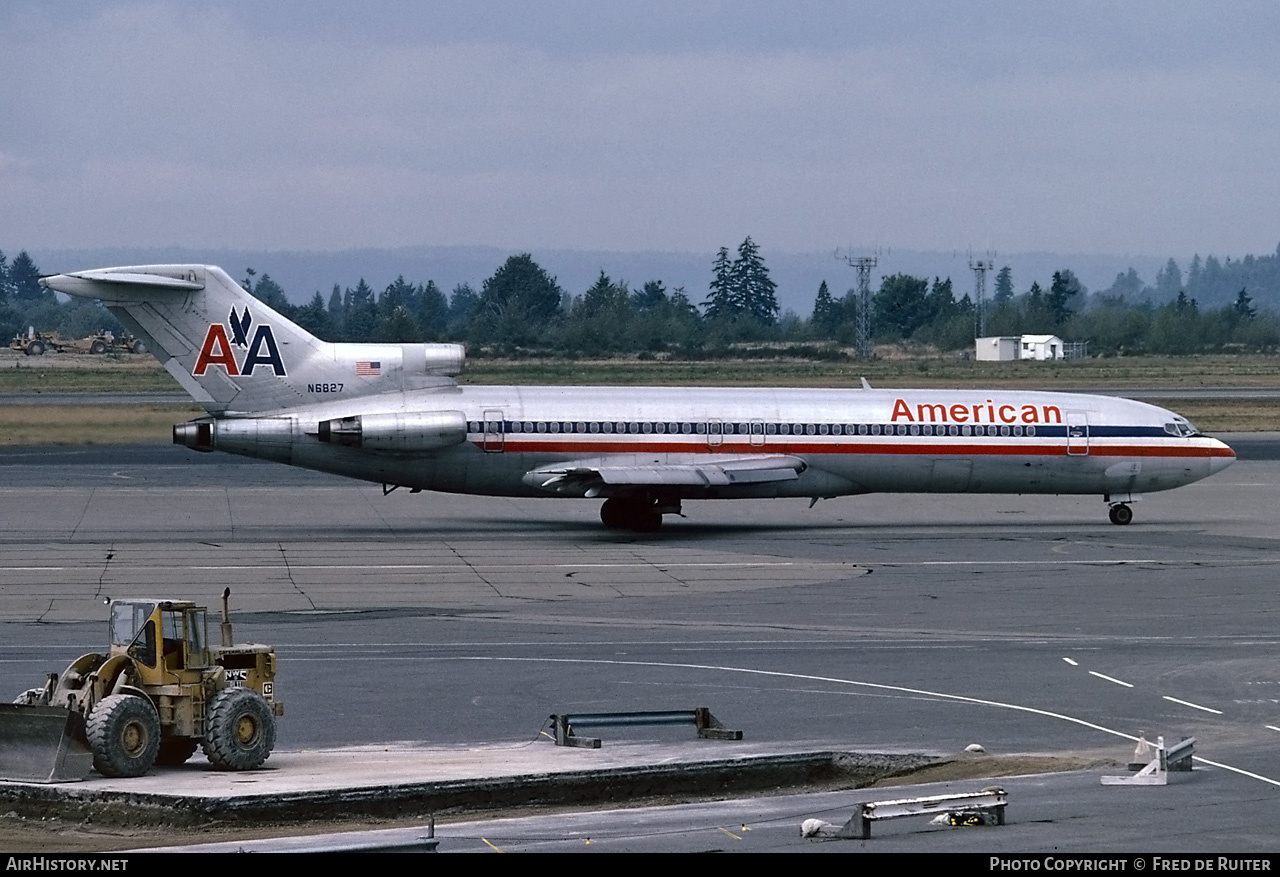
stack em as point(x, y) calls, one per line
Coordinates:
point(862, 313)
point(980, 267)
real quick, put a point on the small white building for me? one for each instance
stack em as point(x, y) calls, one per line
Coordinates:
point(997, 348)
point(1041, 347)
point(1006, 348)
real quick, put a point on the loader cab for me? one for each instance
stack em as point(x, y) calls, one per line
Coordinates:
point(161, 636)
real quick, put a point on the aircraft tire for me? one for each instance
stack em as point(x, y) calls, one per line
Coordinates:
point(1120, 514)
point(646, 521)
point(176, 750)
point(614, 514)
point(241, 731)
point(639, 515)
point(124, 734)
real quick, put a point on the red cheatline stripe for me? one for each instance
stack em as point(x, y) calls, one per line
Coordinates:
point(1057, 449)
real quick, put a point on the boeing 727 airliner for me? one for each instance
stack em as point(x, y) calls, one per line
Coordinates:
point(393, 414)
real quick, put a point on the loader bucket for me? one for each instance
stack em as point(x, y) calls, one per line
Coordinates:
point(43, 744)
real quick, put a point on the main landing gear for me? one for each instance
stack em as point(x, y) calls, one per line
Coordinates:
point(640, 513)
point(1120, 513)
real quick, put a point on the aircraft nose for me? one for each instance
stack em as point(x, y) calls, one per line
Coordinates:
point(1221, 456)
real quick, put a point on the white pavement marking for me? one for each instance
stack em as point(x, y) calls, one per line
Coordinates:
point(1071, 662)
point(959, 698)
point(1110, 679)
point(1193, 705)
point(855, 565)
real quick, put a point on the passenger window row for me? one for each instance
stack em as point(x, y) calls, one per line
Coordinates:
point(750, 428)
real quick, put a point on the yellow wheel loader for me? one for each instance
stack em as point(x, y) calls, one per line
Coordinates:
point(159, 692)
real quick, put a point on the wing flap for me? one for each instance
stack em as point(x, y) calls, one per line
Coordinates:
point(594, 477)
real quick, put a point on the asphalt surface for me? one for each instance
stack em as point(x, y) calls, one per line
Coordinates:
point(878, 623)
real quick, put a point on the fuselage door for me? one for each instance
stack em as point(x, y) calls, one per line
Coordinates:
point(715, 433)
point(494, 441)
point(1077, 433)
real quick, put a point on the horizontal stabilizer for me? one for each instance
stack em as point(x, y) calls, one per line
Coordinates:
point(185, 278)
point(108, 276)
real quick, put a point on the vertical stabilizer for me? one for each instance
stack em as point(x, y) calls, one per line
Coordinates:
point(233, 353)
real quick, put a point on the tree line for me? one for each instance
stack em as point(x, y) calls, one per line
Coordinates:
point(521, 309)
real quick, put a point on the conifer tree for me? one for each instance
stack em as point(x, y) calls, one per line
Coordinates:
point(722, 302)
point(754, 289)
point(826, 312)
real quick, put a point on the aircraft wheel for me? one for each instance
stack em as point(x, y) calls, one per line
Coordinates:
point(646, 521)
point(124, 734)
point(640, 515)
point(241, 731)
point(614, 514)
point(1120, 514)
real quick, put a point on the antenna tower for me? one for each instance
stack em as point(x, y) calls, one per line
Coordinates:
point(862, 315)
point(980, 267)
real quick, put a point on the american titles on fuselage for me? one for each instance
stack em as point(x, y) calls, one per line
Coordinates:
point(936, 412)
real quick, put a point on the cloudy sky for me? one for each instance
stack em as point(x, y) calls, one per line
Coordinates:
point(1121, 128)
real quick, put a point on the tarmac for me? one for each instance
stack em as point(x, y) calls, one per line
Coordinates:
point(394, 781)
point(872, 629)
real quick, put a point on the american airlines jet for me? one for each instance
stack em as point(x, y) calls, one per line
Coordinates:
point(393, 414)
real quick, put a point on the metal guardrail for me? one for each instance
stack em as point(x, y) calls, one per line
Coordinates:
point(1156, 773)
point(964, 806)
point(708, 726)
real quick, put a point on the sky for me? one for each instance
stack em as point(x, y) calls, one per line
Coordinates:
point(1147, 127)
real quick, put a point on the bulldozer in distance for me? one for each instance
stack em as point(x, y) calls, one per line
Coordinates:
point(160, 692)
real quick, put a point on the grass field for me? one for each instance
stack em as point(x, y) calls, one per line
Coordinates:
point(1156, 372)
point(92, 423)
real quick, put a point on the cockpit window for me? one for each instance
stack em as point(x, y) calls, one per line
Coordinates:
point(1182, 428)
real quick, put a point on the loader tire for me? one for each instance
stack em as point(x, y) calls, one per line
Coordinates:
point(97, 347)
point(139, 347)
point(240, 731)
point(124, 734)
point(176, 750)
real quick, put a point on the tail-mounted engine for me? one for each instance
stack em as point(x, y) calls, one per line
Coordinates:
point(397, 433)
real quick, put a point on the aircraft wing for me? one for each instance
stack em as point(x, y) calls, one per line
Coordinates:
point(605, 475)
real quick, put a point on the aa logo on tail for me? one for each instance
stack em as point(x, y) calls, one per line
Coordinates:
point(218, 349)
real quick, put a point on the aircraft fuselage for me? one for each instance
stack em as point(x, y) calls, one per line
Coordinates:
point(850, 441)
point(394, 414)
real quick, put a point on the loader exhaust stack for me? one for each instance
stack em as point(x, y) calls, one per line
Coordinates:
point(227, 639)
